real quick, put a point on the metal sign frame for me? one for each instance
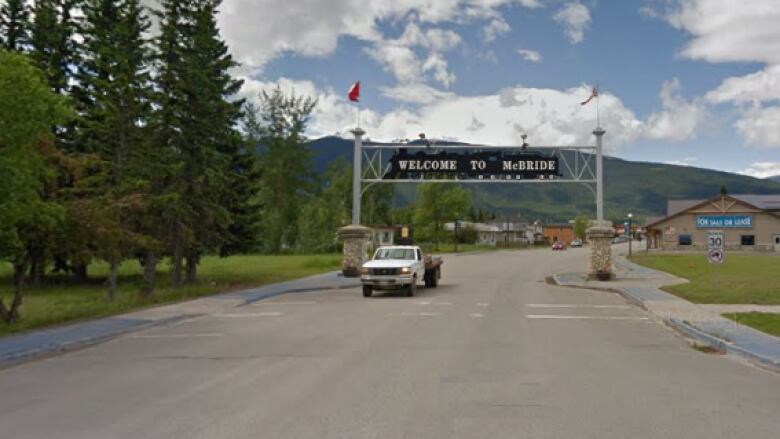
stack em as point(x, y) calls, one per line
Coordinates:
point(581, 164)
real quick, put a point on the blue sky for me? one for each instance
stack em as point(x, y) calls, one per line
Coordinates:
point(682, 81)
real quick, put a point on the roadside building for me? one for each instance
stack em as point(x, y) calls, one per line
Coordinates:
point(498, 233)
point(382, 234)
point(559, 232)
point(749, 222)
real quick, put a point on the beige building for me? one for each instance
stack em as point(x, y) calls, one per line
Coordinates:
point(748, 222)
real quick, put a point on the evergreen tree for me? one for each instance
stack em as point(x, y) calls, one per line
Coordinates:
point(438, 203)
point(115, 90)
point(53, 41)
point(287, 178)
point(14, 24)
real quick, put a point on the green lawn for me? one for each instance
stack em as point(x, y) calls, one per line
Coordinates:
point(769, 323)
point(62, 300)
point(742, 278)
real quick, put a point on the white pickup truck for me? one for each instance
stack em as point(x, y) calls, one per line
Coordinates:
point(400, 267)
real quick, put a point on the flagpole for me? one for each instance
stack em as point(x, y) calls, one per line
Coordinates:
point(598, 114)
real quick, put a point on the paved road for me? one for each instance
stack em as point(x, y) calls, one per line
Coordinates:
point(494, 352)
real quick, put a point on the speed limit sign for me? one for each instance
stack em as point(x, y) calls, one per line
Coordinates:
point(715, 241)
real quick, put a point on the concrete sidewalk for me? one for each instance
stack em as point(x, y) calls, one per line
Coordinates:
point(26, 346)
point(642, 285)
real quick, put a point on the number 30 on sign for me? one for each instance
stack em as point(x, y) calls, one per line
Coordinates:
point(715, 240)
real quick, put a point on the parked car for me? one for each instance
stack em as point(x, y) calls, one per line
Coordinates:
point(559, 245)
point(620, 239)
point(576, 243)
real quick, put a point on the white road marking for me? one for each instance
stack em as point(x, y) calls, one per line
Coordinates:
point(284, 303)
point(566, 305)
point(256, 314)
point(424, 302)
point(564, 317)
point(442, 303)
point(175, 335)
point(482, 304)
point(476, 314)
point(422, 314)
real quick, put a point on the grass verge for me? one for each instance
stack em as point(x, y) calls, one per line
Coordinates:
point(61, 300)
point(765, 322)
point(741, 279)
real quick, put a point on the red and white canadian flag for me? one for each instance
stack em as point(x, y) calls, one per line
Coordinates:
point(354, 92)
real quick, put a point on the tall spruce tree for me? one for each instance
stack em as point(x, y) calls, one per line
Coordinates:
point(14, 24)
point(197, 122)
point(115, 91)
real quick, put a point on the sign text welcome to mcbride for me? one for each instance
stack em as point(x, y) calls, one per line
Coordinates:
point(473, 165)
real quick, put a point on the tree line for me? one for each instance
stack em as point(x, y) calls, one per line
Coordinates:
point(121, 143)
point(118, 143)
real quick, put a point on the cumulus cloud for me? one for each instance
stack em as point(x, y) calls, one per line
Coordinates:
point(721, 32)
point(679, 118)
point(416, 93)
point(496, 27)
point(762, 169)
point(260, 30)
point(756, 87)
point(760, 127)
point(575, 18)
point(530, 55)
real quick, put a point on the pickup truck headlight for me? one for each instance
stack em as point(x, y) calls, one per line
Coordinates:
point(406, 270)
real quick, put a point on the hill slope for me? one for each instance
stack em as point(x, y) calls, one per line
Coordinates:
point(638, 187)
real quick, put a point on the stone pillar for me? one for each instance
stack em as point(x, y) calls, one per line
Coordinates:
point(355, 239)
point(600, 239)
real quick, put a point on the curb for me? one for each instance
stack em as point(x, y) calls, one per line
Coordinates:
point(21, 356)
point(721, 344)
point(44, 350)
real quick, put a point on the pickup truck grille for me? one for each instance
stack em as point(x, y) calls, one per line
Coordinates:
point(384, 271)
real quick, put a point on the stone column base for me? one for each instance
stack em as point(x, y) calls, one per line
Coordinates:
point(600, 239)
point(356, 239)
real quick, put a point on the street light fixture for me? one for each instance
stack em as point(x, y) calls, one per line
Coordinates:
point(630, 216)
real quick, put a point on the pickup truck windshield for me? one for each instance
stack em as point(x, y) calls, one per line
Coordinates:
point(395, 253)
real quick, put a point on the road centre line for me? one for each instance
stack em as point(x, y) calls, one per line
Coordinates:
point(566, 305)
point(421, 314)
point(256, 314)
point(567, 317)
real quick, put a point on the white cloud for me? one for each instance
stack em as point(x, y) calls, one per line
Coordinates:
point(530, 55)
point(727, 31)
point(416, 93)
point(760, 127)
point(259, 30)
point(723, 31)
point(575, 18)
point(687, 161)
point(756, 87)
point(679, 118)
point(496, 27)
point(401, 61)
point(438, 65)
point(762, 169)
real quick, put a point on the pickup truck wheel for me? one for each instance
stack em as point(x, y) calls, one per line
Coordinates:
point(411, 290)
point(366, 291)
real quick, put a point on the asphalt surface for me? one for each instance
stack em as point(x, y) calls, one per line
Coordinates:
point(494, 352)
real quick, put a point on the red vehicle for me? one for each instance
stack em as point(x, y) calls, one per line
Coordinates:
point(559, 245)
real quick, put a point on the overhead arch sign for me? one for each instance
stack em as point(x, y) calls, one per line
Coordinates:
point(471, 165)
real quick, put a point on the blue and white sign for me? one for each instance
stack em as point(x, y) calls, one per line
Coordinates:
point(724, 221)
